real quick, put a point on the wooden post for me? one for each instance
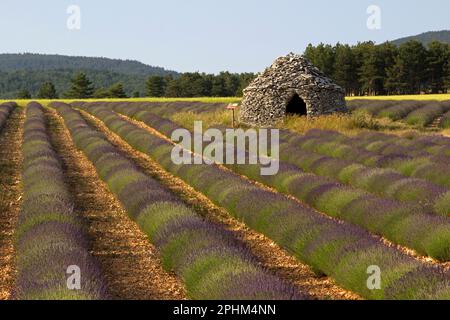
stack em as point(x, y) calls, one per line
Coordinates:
point(233, 118)
point(232, 107)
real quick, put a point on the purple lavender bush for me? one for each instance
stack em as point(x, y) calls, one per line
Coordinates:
point(340, 250)
point(208, 259)
point(50, 237)
point(5, 111)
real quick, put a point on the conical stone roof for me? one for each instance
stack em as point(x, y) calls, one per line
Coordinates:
point(265, 99)
point(292, 71)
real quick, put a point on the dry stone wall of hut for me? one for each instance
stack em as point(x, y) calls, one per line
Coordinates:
point(266, 98)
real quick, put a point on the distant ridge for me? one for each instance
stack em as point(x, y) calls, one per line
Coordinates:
point(28, 71)
point(35, 62)
point(426, 38)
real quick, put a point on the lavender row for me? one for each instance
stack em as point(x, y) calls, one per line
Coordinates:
point(400, 222)
point(434, 197)
point(342, 163)
point(445, 121)
point(211, 262)
point(340, 250)
point(427, 114)
point(53, 258)
point(164, 109)
point(380, 148)
point(374, 180)
point(420, 113)
point(371, 106)
point(412, 145)
point(170, 108)
point(400, 110)
point(417, 141)
point(384, 175)
point(5, 112)
point(422, 165)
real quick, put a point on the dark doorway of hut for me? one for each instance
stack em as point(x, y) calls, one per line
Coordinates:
point(296, 106)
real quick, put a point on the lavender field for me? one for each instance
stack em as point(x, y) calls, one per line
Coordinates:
point(94, 207)
point(419, 113)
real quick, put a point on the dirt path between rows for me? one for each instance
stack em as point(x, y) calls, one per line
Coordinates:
point(130, 263)
point(403, 249)
point(10, 196)
point(267, 252)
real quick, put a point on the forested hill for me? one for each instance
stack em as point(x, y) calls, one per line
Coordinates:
point(427, 37)
point(30, 71)
point(40, 62)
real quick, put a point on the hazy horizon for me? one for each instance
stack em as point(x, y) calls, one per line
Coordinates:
point(200, 35)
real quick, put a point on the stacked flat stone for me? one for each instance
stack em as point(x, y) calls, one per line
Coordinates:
point(266, 98)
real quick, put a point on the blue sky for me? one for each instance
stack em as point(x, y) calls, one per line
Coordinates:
point(207, 35)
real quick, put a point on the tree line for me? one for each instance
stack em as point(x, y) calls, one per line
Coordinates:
point(197, 84)
point(194, 84)
point(81, 88)
point(385, 69)
point(362, 69)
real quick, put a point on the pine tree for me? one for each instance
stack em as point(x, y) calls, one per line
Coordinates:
point(117, 91)
point(395, 81)
point(81, 87)
point(447, 77)
point(412, 55)
point(24, 94)
point(173, 89)
point(371, 73)
point(437, 60)
point(101, 93)
point(218, 87)
point(47, 91)
point(345, 69)
point(322, 57)
point(156, 86)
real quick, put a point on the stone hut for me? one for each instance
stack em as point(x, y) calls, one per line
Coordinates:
point(292, 85)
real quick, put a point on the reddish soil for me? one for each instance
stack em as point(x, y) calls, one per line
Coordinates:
point(10, 196)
